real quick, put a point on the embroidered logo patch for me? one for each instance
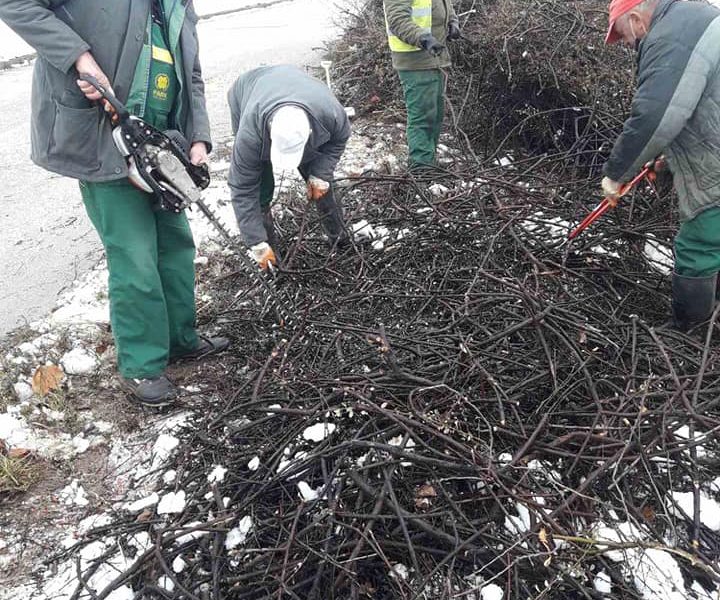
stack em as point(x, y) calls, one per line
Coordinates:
point(162, 82)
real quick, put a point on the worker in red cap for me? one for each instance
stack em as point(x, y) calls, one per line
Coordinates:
point(676, 112)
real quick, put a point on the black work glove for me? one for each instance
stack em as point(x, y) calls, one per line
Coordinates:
point(431, 45)
point(454, 32)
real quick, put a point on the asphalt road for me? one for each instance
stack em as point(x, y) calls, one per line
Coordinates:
point(46, 240)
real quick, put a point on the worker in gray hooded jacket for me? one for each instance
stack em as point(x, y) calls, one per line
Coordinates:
point(676, 111)
point(283, 119)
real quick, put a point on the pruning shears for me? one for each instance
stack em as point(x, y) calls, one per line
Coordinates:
point(609, 202)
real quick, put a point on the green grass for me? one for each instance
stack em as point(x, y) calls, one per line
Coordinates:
point(17, 474)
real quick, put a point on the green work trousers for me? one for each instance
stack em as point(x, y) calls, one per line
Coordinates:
point(697, 245)
point(425, 104)
point(150, 256)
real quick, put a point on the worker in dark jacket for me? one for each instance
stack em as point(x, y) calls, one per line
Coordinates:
point(283, 119)
point(146, 51)
point(676, 111)
point(417, 34)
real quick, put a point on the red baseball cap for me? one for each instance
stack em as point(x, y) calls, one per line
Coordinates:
point(616, 10)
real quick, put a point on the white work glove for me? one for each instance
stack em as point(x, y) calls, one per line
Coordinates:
point(316, 188)
point(610, 188)
point(263, 255)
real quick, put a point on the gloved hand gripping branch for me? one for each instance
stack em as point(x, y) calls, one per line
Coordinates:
point(430, 44)
point(316, 188)
point(263, 255)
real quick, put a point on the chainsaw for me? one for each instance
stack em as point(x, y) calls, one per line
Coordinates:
point(159, 164)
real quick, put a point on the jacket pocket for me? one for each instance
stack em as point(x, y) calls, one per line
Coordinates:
point(706, 165)
point(74, 139)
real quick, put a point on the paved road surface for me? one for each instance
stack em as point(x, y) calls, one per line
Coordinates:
point(46, 240)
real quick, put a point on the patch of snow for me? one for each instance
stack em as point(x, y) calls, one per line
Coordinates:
point(143, 503)
point(438, 189)
point(78, 361)
point(191, 535)
point(363, 230)
point(306, 492)
point(81, 443)
point(552, 228)
point(655, 572)
point(23, 391)
point(398, 440)
point(178, 565)
point(169, 476)
point(163, 448)
point(254, 463)
point(87, 302)
point(318, 432)
point(659, 255)
point(217, 475)
point(600, 249)
point(73, 494)
point(603, 583)
point(238, 535)
point(104, 426)
point(93, 522)
point(492, 591)
point(172, 503)
point(504, 458)
point(683, 433)
point(709, 508)
point(399, 571)
point(166, 583)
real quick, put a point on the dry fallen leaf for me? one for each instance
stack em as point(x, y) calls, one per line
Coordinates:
point(46, 379)
point(423, 497)
point(145, 515)
point(426, 491)
point(18, 453)
point(648, 512)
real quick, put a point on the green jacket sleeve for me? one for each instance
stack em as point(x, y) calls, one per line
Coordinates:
point(399, 18)
point(36, 22)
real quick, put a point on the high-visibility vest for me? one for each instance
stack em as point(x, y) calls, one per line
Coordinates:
point(421, 16)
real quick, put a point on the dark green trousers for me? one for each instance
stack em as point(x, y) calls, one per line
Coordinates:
point(150, 256)
point(697, 245)
point(425, 104)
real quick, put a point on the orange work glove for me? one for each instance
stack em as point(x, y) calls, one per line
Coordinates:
point(263, 255)
point(316, 188)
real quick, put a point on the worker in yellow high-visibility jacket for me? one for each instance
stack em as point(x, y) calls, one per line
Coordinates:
point(417, 33)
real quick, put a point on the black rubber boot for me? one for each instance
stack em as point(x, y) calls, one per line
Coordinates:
point(331, 218)
point(693, 300)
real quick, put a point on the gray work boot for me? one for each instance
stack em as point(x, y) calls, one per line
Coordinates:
point(693, 300)
point(331, 218)
point(154, 392)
